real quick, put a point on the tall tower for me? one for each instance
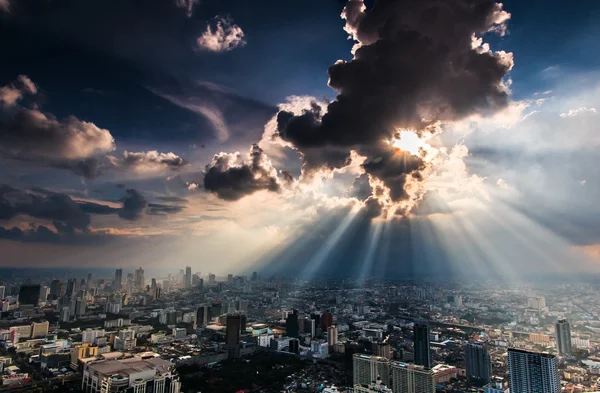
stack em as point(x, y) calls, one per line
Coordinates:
point(188, 277)
point(292, 324)
point(118, 279)
point(421, 341)
point(234, 324)
point(139, 278)
point(563, 337)
point(332, 336)
point(532, 372)
point(478, 364)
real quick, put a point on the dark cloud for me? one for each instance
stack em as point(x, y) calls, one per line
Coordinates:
point(134, 205)
point(230, 177)
point(43, 204)
point(160, 209)
point(415, 64)
point(96, 208)
point(172, 199)
point(361, 188)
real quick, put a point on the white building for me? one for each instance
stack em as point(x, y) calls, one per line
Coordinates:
point(154, 375)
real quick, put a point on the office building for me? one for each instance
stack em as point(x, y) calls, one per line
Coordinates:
point(532, 372)
point(188, 278)
point(422, 344)
point(309, 327)
point(232, 333)
point(2, 292)
point(563, 337)
point(326, 321)
point(139, 279)
point(332, 336)
point(44, 292)
point(410, 378)
point(212, 279)
point(292, 324)
point(382, 349)
point(294, 345)
point(116, 285)
point(370, 369)
point(29, 294)
point(131, 375)
point(203, 316)
point(39, 329)
point(478, 364)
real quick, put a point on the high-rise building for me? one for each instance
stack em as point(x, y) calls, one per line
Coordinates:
point(478, 364)
point(532, 372)
point(2, 292)
point(309, 326)
point(116, 285)
point(139, 279)
point(292, 324)
point(234, 323)
point(29, 294)
point(326, 321)
point(369, 369)
point(188, 278)
point(422, 344)
point(254, 276)
point(44, 292)
point(212, 279)
point(71, 290)
point(229, 279)
point(332, 336)
point(563, 337)
point(203, 316)
point(55, 289)
point(409, 378)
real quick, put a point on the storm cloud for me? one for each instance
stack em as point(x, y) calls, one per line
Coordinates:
point(415, 63)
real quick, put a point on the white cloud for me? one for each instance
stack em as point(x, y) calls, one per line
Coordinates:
point(579, 111)
point(224, 37)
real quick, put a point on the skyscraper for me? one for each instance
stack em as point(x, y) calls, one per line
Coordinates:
point(409, 378)
point(29, 294)
point(421, 341)
point(188, 277)
point(2, 292)
point(203, 316)
point(292, 325)
point(332, 336)
point(368, 369)
point(532, 372)
point(478, 364)
point(139, 279)
point(326, 321)
point(563, 337)
point(118, 279)
point(232, 334)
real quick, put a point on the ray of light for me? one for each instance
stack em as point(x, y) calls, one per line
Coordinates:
point(374, 238)
point(325, 250)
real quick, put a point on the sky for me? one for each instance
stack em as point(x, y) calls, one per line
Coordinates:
point(323, 137)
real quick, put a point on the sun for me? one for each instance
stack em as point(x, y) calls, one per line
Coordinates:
point(410, 142)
